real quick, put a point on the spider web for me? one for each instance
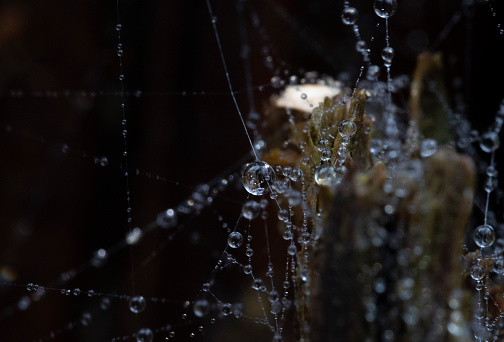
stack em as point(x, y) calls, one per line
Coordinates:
point(63, 191)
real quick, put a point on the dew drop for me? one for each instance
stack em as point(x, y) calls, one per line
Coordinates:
point(385, 8)
point(428, 148)
point(347, 128)
point(360, 46)
point(489, 142)
point(349, 16)
point(257, 283)
point(387, 55)
point(137, 304)
point(292, 249)
point(477, 272)
point(373, 72)
point(325, 176)
point(118, 27)
point(167, 219)
point(257, 176)
point(484, 236)
point(134, 236)
point(144, 335)
point(251, 210)
point(76, 291)
point(201, 307)
point(283, 215)
point(276, 308)
point(247, 269)
point(104, 161)
point(235, 240)
point(226, 309)
point(206, 287)
point(304, 96)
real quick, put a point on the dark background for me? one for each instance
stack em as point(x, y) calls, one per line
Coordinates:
point(58, 208)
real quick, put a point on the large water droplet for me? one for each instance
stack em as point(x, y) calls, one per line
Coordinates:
point(428, 148)
point(201, 307)
point(484, 236)
point(385, 8)
point(137, 304)
point(489, 142)
point(387, 55)
point(257, 177)
point(349, 16)
point(477, 272)
point(144, 335)
point(235, 240)
point(347, 128)
point(325, 176)
point(251, 210)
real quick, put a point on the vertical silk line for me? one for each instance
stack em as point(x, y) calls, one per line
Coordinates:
point(214, 26)
point(125, 133)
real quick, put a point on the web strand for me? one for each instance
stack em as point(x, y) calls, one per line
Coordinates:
point(214, 26)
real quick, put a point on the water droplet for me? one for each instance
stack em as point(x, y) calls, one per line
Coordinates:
point(283, 215)
point(251, 210)
point(491, 171)
point(238, 310)
point(304, 96)
point(257, 283)
point(206, 287)
point(477, 272)
point(167, 219)
point(484, 236)
point(385, 8)
point(276, 82)
point(201, 307)
point(276, 337)
point(23, 303)
point(257, 176)
point(144, 335)
point(105, 303)
point(387, 55)
point(296, 175)
point(235, 240)
point(104, 161)
point(119, 53)
point(373, 72)
point(349, 16)
point(90, 293)
point(77, 292)
point(292, 249)
point(428, 148)
point(137, 304)
point(276, 307)
point(287, 235)
point(347, 128)
point(118, 27)
point(489, 142)
point(99, 257)
point(247, 269)
point(360, 46)
point(225, 309)
point(121, 77)
point(325, 176)
point(134, 236)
